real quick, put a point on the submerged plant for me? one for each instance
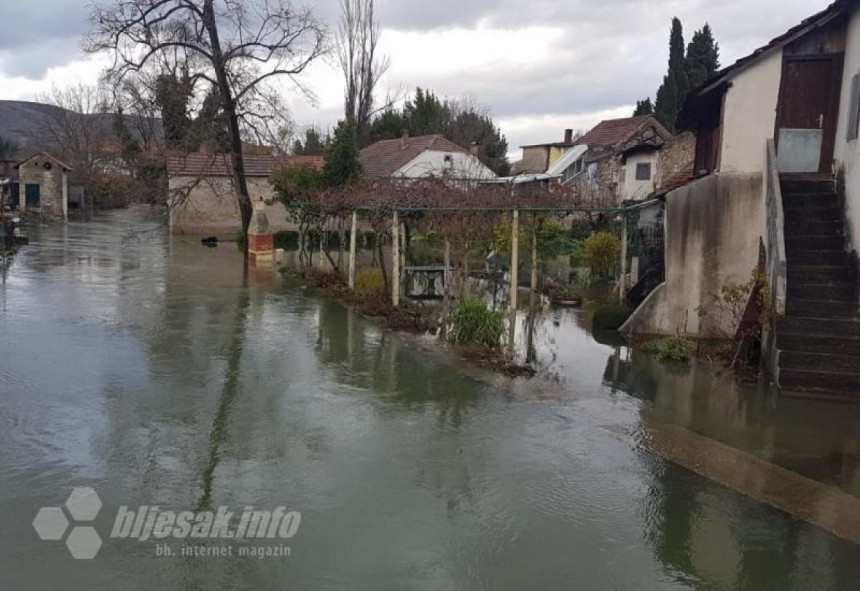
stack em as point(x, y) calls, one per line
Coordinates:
point(475, 324)
point(672, 349)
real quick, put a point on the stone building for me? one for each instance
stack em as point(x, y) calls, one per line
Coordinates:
point(618, 160)
point(43, 186)
point(201, 195)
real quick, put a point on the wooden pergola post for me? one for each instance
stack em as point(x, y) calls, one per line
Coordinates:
point(395, 260)
point(532, 293)
point(515, 263)
point(622, 287)
point(352, 239)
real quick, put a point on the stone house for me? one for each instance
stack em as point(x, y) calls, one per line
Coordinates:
point(43, 186)
point(201, 198)
point(618, 160)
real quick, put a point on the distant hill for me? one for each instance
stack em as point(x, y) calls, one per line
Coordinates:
point(23, 122)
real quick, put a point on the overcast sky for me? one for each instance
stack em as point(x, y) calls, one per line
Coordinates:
point(539, 66)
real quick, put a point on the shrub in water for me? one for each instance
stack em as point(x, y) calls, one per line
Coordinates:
point(600, 253)
point(368, 282)
point(673, 349)
point(611, 317)
point(474, 323)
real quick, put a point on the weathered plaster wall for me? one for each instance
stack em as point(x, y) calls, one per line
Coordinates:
point(847, 153)
point(631, 188)
point(556, 152)
point(749, 116)
point(534, 160)
point(211, 207)
point(53, 193)
point(713, 228)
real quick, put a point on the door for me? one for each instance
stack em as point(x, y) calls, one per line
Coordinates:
point(32, 196)
point(807, 113)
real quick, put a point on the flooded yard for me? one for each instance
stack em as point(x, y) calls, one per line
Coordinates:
point(160, 373)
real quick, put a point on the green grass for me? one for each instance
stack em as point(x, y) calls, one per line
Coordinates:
point(475, 324)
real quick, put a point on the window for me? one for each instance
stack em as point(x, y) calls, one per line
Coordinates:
point(854, 109)
point(643, 171)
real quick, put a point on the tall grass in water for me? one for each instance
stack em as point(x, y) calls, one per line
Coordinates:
point(475, 324)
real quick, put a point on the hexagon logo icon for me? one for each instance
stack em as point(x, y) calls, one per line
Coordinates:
point(83, 504)
point(84, 542)
point(51, 523)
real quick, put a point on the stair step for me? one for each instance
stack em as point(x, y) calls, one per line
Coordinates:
point(831, 381)
point(789, 185)
point(813, 213)
point(815, 274)
point(794, 201)
point(802, 361)
point(810, 242)
point(819, 326)
point(804, 343)
point(821, 308)
point(822, 394)
point(834, 291)
point(832, 257)
point(814, 227)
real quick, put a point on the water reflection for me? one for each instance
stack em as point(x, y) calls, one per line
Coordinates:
point(160, 373)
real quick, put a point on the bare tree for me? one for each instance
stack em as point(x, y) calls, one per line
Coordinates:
point(235, 45)
point(357, 41)
point(78, 128)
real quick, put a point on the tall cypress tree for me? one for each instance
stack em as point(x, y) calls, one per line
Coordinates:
point(703, 57)
point(676, 84)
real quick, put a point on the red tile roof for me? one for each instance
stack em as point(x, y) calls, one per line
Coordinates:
point(679, 180)
point(44, 155)
point(384, 158)
point(612, 131)
point(201, 164)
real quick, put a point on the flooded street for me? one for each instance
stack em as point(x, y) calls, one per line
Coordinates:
point(158, 373)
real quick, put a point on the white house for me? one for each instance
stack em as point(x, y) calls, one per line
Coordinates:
point(422, 157)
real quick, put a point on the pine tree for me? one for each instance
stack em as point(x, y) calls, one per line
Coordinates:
point(341, 157)
point(645, 107)
point(313, 145)
point(703, 57)
point(676, 84)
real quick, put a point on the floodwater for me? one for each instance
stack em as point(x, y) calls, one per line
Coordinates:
point(159, 373)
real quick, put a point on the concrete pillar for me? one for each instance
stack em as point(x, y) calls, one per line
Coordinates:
point(395, 260)
point(515, 262)
point(352, 239)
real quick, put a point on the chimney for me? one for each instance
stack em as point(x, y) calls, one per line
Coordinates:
point(475, 149)
point(568, 136)
point(404, 138)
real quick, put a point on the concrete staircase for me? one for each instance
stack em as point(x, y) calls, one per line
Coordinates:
point(819, 337)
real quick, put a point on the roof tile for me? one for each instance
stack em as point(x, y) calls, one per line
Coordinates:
point(384, 158)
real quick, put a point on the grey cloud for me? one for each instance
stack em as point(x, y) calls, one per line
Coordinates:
point(39, 35)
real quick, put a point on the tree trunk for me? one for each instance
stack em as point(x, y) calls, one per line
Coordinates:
point(228, 103)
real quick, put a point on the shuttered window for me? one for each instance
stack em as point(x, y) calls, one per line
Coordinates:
point(854, 109)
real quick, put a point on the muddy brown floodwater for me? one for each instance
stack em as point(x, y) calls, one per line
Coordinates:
point(158, 373)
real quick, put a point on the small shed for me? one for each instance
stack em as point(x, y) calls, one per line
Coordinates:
point(44, 185)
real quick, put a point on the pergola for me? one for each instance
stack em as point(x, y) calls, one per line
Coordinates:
point(441, 201)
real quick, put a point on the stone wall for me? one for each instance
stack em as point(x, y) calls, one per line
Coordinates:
point(210, 207)
point(677, 155)
point(52, 183)
point(712, 232)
